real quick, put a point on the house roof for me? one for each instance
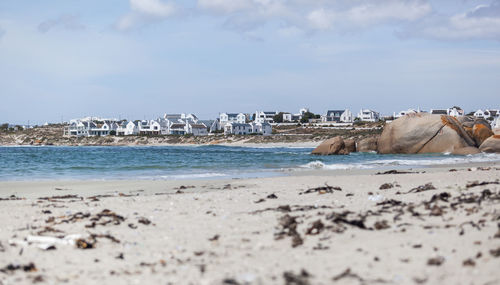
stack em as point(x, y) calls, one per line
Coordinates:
point(177, 126)
point(439, 112)
point(330, 113)
point(198, 126)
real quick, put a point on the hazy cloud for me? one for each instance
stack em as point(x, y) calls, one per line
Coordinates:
point(316, 14)
point(482, 22)
point(145, 11)
point(69, 22)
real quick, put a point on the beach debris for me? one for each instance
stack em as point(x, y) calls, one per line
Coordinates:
point(144, 221)
point(120, 256)
point(105, 217)
point(48, 230)
point(84, 244)
point(386, 186)
point(396, 172)
point(296, 279)
point(132, 226)
point(288, 227)
point(381, 225)
point(453, 170)
point(230, 281)
point(272, 196)
point(227, 187)
point(11, 198)
point(2, 248)
point(477, 183)
point(46, 212)
point(182, 187)
point(30, 267)
point(469, 262)
point(315, 228)
point(348, 274)
point(59, 198)
point(214, 238)
point(46, 242)
point(495, 252)
point(435, 261)
point(260, 201)
point(322, 190)
point(341, 219)
point(422, 188)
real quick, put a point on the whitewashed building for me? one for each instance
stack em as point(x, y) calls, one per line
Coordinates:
point(487, 113)
point(265, 116)
point(248, 128)
point(337, 116)
point(366, 115)
point(454, 112)
point(405, 112)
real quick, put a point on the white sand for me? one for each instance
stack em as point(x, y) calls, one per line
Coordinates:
point(176, 247)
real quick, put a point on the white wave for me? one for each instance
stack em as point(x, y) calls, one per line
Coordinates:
point(427, 161)
point(192, 176)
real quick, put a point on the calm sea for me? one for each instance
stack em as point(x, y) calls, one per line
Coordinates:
point(197, 162)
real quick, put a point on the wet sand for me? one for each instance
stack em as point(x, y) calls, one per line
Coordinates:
point(428, 226)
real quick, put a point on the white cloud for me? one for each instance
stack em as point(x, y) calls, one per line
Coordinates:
point(145, 11)
point(225, 6)
point(69, 22)
point(320, 19)
point(154, 8)
point(482, 22)
point(314, 15)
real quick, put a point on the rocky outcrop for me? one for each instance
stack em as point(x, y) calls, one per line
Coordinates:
point(349, 145)
point(331, 146)
point(426, 133)
point(491, 144)
point(367, 144)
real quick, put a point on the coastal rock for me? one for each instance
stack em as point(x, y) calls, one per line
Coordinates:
point(466, 151)
point(367, 144)
point(349, 146)
point(330, 146)
point(491, 145)
point(426, 133)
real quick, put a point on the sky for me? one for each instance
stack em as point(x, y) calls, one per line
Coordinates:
point(139, 59)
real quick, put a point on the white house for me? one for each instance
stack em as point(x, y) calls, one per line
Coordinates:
point(366, 115)
point(90, 129)
point(128, 128)
point(248, 128)
point(405, 112)
point(197, 129)
point(487, 114)
point(287, 117)
point(454, 111)
point(262, 128)
point(337, 116)
point(267, 116)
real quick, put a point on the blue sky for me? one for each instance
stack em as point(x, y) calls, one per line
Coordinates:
point(141, 58)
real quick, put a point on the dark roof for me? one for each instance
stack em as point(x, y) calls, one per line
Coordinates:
point(330, 113)
point(439, 112)
point(198, 126)
point(177, 126)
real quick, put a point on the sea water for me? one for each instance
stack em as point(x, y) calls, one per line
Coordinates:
point(194, 162)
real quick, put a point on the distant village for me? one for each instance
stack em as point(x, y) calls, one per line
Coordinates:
point(258, 123)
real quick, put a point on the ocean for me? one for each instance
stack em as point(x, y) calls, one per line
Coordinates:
point(26, 163)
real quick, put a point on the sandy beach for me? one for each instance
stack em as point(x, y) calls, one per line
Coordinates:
point(429, 226)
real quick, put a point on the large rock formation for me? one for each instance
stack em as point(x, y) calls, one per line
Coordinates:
point(367, 144)
point(426, 133)
point(331, 146)
point(492, 144)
